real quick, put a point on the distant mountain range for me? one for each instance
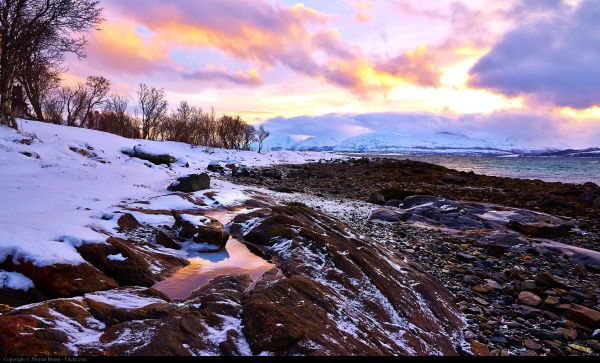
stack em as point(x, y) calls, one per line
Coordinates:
point(423, 143)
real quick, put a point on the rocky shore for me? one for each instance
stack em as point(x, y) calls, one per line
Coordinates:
point(520, 257)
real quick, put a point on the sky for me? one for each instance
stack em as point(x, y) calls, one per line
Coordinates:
point(495, 68)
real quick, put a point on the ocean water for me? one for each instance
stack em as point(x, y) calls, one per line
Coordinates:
point(552, 169)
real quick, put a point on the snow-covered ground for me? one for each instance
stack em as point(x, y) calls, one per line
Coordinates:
point(60, 183)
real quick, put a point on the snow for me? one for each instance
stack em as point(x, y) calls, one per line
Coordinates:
point(125, 299)
point(15, 281)
point(117, 257)
point(54, 204)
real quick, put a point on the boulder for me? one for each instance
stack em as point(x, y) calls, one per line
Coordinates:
point(157, 159)
point(191, 183)
point(127, 222)
point(596, 203)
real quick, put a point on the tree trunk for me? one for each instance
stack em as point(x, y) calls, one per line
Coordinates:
point(6, 117)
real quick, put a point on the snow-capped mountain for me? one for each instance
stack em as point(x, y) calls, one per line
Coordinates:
point(425, 142)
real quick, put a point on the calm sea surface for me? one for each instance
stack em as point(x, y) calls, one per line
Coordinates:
point(562, 169)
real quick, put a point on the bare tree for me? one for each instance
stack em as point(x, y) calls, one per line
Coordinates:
point(75, 101)
point(153, 107)
point(45, 27)
point(96, 90)
point(248, 136)
point(261, 136)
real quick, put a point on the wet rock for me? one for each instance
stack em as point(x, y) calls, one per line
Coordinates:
point(531, 344)
point(191, 183)
point(157, 159)
point(529, 298)
point(127, 222)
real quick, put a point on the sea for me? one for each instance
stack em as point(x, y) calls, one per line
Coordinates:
point(572, 170)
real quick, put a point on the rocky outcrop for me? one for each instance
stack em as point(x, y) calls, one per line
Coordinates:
point(127, 222)
point(191, 183)
point(62, 280)
point(340, 288)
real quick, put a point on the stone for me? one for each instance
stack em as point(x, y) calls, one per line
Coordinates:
point(127, 222)
point(596, 204)
point(157, 159)
point(165, 240)
point(582, 315)
point(377, 198)
point(531, 344)
point(214, 167)
point(62, 280)
point(546, 279)
point(191, 183)
point(385, 215)
point(529, 298)
point(213, 234)
point(480, 349)
point(454, 180)
point(464, 257)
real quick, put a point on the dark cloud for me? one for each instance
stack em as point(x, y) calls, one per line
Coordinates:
point(553, 59)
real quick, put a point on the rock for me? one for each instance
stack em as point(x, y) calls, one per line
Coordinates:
point(385, 215)
point(464, 257)
point(529, 298)
point(157, 159)
point(191, 183)
point(454, 180)
point(549, 227)
point(134, 265)
point(590, 196)
point(529, 285)
point(547, 279)
point(582, 315)
point(16, 298)
point(596, 203)
point(492, 285)
point(127, 222)
point(531, 344)
point(215, 167)
point(321, 257)
point(213, 234)
point(377, 198)
point(241, 171)
point(480, 349)
point(62, 280)
point(165, 240)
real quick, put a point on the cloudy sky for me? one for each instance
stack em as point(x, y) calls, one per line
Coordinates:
point(337, 67)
